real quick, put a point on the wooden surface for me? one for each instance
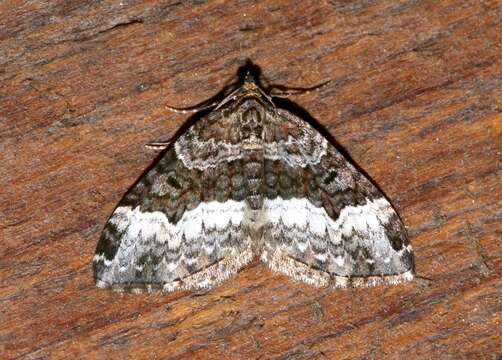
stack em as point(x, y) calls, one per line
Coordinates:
point(415, 99)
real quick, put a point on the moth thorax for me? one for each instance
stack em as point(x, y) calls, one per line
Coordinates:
point(251, 124)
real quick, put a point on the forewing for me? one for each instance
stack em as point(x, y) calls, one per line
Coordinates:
point(325, 221)
point(181, 225)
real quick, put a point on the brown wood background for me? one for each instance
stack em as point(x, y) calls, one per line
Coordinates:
point(415, 99)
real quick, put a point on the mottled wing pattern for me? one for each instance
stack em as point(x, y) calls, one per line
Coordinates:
point(181, 226)
point(325, 221)
point(251, 179)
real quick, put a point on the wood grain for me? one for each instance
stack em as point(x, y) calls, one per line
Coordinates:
point(415, 99)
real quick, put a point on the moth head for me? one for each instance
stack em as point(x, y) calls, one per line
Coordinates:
point(250, 82)
point(251, 88)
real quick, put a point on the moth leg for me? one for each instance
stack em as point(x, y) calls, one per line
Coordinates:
point(193, 109)
point(282, 91)
point(158, 145)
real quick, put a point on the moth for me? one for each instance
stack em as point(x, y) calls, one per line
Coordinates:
point(251, 180)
